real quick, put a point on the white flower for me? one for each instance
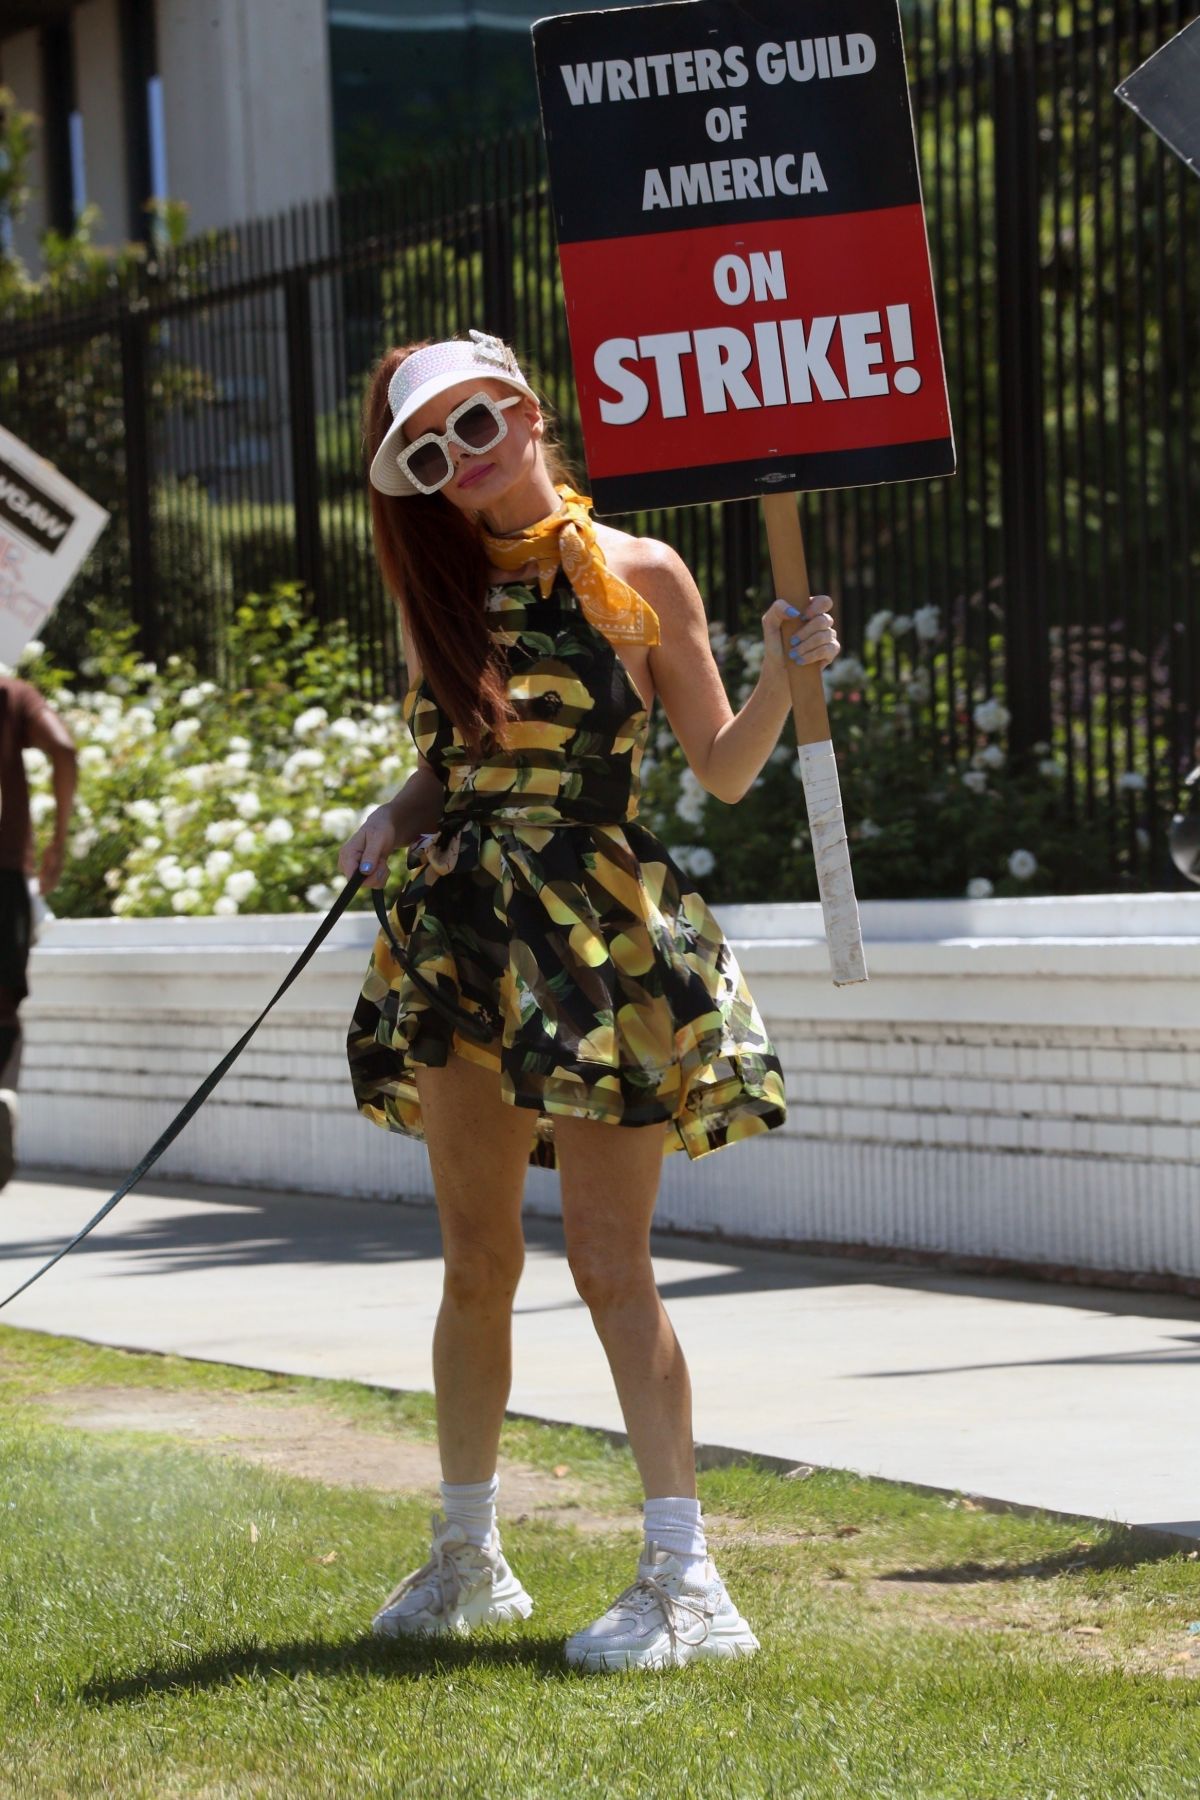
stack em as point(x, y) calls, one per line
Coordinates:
point(869, 829)
point(302, 759)
point(1022, 864)
point(309, 721)
point(82, 842)
point(241, 884)
point(1051, 769)
point(240, 743)
point(320, 897)
point(279, 831)
point(346, 729)
point(752, 655)
point(340, 821)
point(928, 622)
point(694, 859)
point(780, 755)
point(185, 900)
point(169, 873)
point(149, 844)
point(979, 888)
point(184, 730)
point(197, 775)
point(877, 624)
point(236, 759)
point(217, 863)
point(247, 804)
point(976, 780)
point(191, 696)
point(1132, 781)
point(991, 757)
point(991, 716)
point(901, 625)
point(245, 842)
point(919, 689)
point(123, 903)
point(33, 649)
point(692, 798)
point(92, 757)
point(40, 807)
point(225, 905)
point(846, 672)
point(220, 831)
point(175, 817)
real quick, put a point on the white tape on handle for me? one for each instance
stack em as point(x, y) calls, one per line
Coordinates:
point(835, 879)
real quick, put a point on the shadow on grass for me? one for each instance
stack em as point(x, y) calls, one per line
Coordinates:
point(404, 1659)
point(1117, 1550)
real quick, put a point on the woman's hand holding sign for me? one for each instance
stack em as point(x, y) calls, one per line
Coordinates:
point(808, 637)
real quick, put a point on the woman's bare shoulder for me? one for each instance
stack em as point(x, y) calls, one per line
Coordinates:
point(657, 571)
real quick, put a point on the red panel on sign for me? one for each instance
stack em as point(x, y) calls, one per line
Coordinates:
point(736, 342)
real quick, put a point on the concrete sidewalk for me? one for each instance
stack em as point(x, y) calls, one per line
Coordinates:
point(1078, 1400)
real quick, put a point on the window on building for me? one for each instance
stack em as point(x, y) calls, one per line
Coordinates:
point(145, 142)
point(62, 124)
point(412, 78)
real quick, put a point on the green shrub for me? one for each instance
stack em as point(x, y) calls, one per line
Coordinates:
point(198, 799)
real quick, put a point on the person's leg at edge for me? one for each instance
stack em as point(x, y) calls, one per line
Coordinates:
point(478, 1151)
point(609, 1178)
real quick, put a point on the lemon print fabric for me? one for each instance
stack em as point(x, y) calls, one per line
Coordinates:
point(545, 908)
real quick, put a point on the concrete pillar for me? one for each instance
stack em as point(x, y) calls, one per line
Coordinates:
point(21, 70)
point(97, 43)
point(248, 107)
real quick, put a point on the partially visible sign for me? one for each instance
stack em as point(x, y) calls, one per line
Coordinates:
point(743, 248)
point(47, 527)
point(1165, 92)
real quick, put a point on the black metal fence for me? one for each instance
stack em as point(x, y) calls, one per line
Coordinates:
point(211, 400)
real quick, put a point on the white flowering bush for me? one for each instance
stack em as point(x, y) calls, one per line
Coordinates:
point(933, 806)
point(192, 799)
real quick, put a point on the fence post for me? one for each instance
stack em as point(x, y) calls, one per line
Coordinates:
point(302, 418)
point(132, 332)
point(1022, 450)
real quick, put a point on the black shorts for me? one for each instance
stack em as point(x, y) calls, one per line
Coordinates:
point(15, 924)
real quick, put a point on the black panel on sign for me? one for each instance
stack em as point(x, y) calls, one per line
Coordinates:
point(1165, 92)
point(622, 92)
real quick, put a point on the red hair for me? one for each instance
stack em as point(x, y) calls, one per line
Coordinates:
point(434, 565)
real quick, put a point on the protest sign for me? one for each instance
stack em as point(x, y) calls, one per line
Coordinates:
point(47, 527)
point(1165, 92)
point(743, 248)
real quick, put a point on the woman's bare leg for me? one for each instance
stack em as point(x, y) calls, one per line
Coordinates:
point(610, 1176)
point(478, 1151)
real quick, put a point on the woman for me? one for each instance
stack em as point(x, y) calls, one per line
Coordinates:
point(571, 1001)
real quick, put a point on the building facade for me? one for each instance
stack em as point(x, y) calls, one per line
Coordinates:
point(242, 108)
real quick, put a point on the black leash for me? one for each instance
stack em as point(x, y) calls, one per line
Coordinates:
point(470, 1024)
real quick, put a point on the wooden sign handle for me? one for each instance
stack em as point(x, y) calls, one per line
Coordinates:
point(814, 747)
point(789, 570)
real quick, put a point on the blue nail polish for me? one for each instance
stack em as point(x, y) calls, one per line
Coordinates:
point(366, 867)
point(793, 612)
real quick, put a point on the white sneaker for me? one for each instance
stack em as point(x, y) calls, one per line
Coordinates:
point(661, 1622)
point(460, 1586)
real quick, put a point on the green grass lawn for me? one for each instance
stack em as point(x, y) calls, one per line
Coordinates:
point(177, 1621)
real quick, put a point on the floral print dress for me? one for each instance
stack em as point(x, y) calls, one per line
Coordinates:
point(603, 980)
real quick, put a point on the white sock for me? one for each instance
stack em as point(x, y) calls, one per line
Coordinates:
point(472, 1504)
point(674, 1524)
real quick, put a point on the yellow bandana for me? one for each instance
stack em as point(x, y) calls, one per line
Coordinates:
point(569, 537)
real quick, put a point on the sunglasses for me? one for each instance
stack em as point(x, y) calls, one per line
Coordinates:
point(478, 424)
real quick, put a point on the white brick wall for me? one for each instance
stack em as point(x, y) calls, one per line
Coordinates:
point(1018, 1079)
